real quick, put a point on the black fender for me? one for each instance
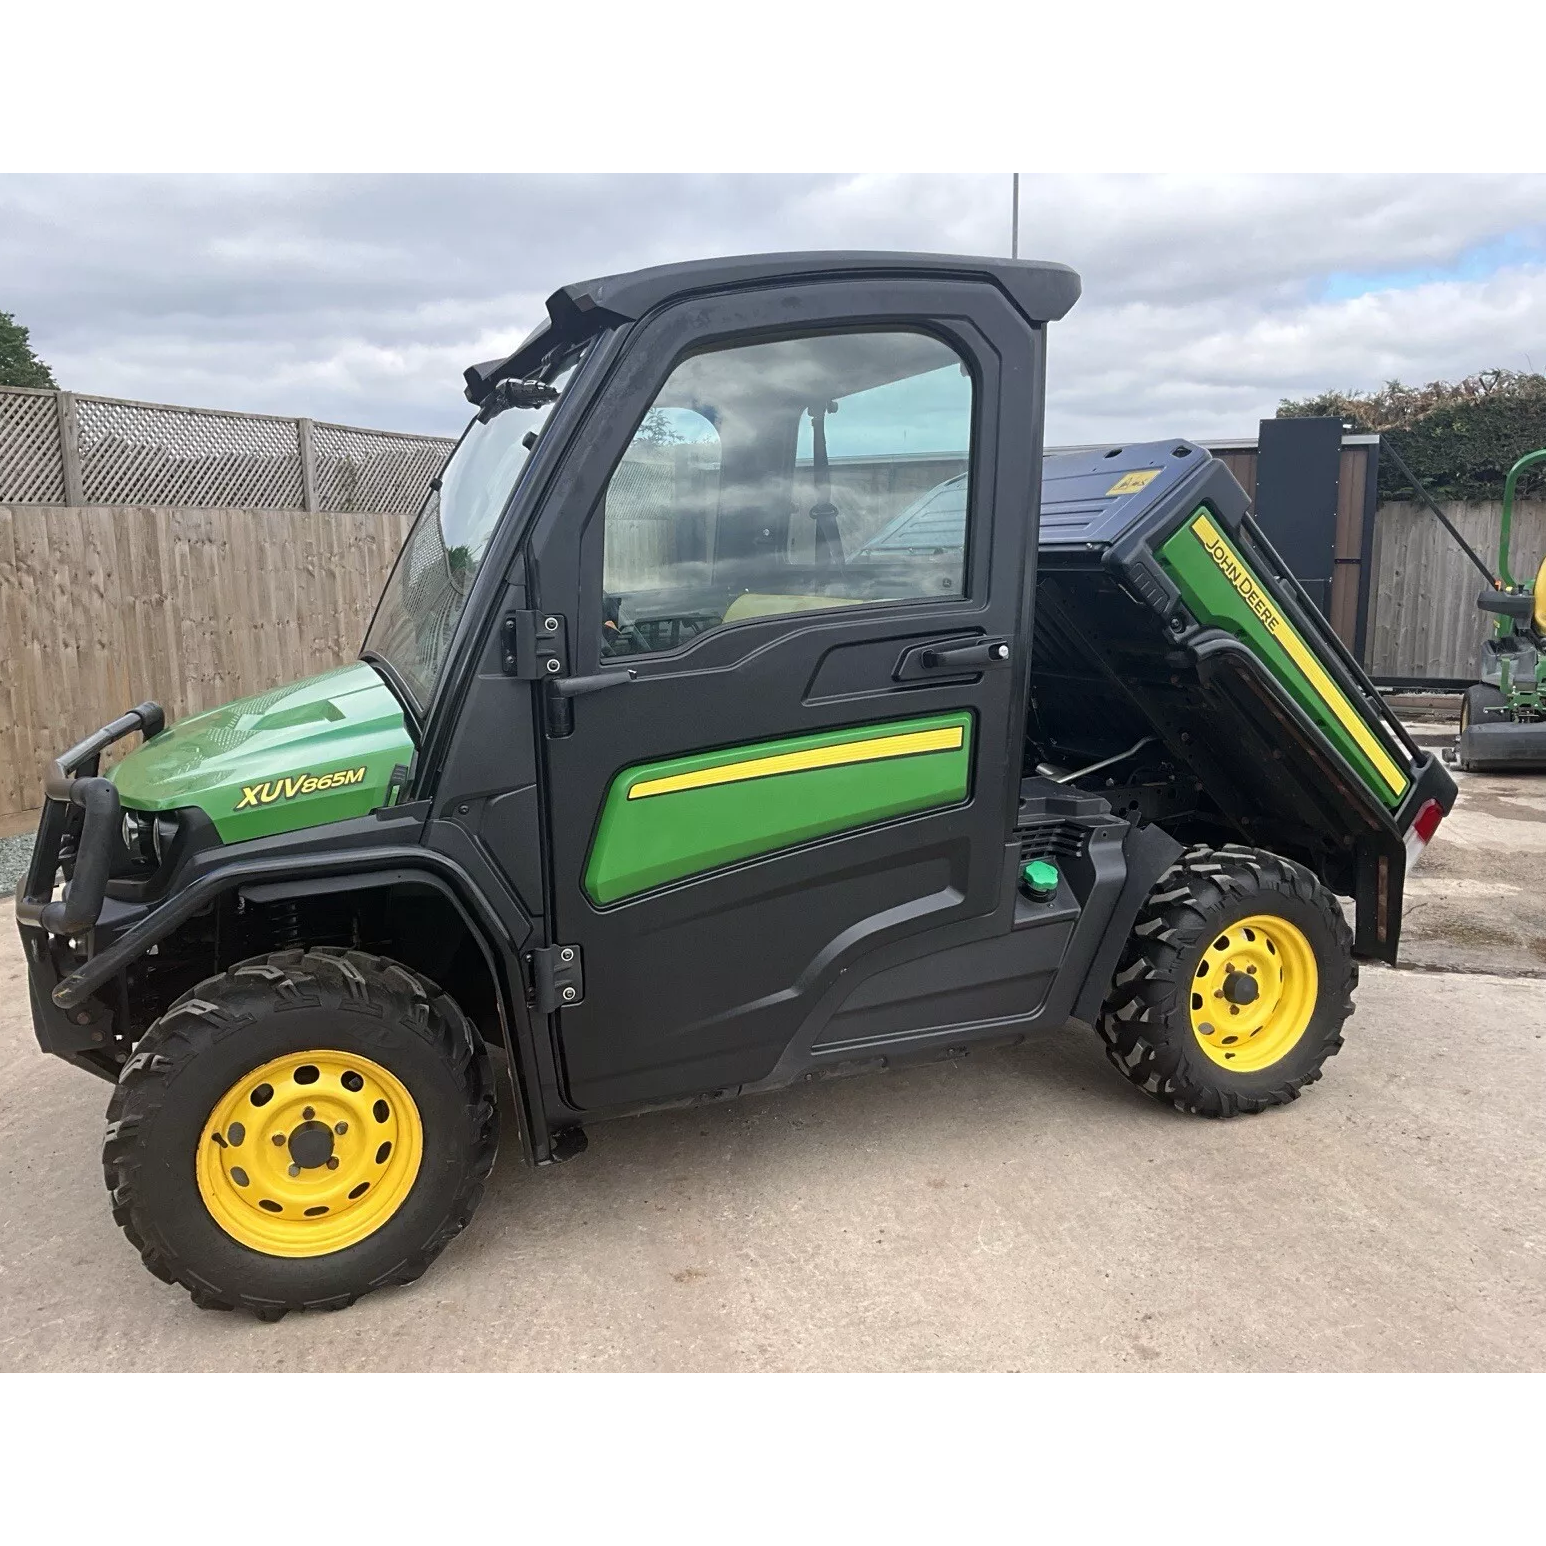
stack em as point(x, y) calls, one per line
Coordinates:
point(270, 879)
point(1148, 852)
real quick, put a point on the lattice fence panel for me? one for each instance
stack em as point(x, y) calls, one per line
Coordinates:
point(31, 464)
point(143, 453)
point(361, 469)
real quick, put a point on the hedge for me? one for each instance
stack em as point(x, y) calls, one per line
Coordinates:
point(1459, 437)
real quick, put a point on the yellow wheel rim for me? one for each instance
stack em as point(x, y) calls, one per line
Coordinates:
point(1253, 993)
point(309, 1153)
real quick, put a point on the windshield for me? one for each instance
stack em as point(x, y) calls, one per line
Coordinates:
point(435, 571)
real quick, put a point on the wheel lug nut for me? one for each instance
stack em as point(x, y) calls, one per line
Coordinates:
point(340, 1128)
point(279, 1140)
point(295, 1170)
point(308, 1113)
point(332, 1162)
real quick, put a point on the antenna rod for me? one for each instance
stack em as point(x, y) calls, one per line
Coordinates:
point(1387, 449)
point(1014, 220)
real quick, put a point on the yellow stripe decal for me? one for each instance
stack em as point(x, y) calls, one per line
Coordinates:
point(874, 750)
point(1352, 721)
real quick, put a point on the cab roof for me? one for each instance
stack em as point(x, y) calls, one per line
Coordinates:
point(1043, 292)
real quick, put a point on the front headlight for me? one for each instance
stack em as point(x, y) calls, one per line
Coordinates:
point(147, 837)
point(139, 837)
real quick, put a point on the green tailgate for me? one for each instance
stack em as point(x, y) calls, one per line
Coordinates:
point(318, 750)
point(1222, 590)
point(663, 821)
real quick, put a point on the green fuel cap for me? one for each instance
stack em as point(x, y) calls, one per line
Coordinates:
point(1040, 879)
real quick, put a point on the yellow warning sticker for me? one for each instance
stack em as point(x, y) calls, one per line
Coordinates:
point(1131, 482)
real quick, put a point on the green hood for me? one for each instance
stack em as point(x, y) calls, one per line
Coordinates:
point(318, 750)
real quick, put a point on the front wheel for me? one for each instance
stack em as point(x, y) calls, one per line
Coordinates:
point(1480, 704)
point(301, 1130)
point(1234, 985)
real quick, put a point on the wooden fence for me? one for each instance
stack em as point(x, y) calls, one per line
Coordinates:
point(1423, 617)
point(102, 607)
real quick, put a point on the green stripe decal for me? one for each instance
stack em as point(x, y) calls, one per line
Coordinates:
point(663, 821)
point(1224, 591)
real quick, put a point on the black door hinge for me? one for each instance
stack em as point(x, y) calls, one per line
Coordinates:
point(534, 645)
point(557, 978)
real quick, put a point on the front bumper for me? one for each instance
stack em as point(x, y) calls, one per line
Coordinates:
point(86, 1034)
point(78, 833)
point(78, 830)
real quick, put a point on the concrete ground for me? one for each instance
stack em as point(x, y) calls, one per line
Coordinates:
point(1021, 1209)
point(1478, 900)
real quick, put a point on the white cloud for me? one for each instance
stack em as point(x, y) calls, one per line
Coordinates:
point(362, 299)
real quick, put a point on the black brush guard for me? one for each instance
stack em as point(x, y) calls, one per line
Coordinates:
point(78, 827)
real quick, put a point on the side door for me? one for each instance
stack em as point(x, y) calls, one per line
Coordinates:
point(812, 747)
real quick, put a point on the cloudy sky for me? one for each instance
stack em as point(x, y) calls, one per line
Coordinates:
point(361, 299)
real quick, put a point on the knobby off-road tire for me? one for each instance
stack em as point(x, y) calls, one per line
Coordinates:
point(1199, 911)
point(200, 1059)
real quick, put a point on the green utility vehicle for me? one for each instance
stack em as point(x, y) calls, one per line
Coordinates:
point(1503, 717)
point(765, 710)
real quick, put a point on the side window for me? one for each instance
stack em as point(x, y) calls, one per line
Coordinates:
point(660, 518)
point(797, 475)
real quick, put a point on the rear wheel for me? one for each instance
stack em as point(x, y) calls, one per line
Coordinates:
point(1234, 984)
point(299, 1131)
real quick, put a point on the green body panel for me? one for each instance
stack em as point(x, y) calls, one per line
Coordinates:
point(642, 843)
point(318, 750)
point(1216, 601)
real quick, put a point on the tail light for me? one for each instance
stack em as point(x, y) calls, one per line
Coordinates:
point(1420, 833)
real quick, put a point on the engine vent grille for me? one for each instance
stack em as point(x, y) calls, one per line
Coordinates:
point(1052, 840)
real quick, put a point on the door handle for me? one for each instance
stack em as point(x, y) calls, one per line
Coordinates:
point(581, 686)
point(965, 657)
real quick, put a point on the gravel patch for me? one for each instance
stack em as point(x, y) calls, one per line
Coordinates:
point(14, 854)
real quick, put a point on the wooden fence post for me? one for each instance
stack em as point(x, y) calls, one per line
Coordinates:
point(70, 448)
point(308, 464)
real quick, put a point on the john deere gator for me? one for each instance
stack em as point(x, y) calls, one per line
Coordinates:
point(749, 703)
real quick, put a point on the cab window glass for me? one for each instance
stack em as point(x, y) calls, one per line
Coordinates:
point(791, 476)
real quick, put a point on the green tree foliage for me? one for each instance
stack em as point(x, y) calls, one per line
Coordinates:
point(658, 430)
point(1459, 437)
point(19, 366)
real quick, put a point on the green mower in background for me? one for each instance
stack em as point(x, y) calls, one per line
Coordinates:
point(1503, 717)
